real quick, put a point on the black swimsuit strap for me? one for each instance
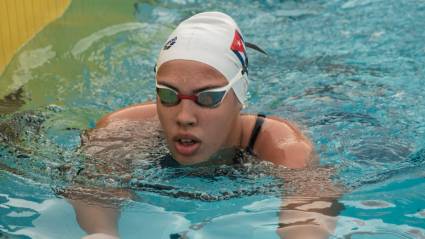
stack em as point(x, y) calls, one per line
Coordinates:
point(255, 131)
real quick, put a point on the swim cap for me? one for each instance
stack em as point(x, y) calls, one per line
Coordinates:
point(212, 38)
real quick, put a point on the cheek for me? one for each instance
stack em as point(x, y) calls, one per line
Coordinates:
point(215, 125)
point(219, 123)
point(165, 116)
point(214, 134)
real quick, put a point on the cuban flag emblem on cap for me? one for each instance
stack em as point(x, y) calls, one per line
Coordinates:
point(238, 47)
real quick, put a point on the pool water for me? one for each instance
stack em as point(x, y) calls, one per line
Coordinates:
point(350, 72)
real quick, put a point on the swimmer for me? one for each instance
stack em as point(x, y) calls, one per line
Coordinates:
point(201, 87)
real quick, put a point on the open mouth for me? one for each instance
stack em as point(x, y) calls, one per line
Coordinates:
point(186, 145)
point(187, 141)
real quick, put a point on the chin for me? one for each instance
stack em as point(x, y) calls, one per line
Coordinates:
point(189, 160)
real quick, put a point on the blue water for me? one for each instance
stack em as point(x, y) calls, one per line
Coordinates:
point(349, 72)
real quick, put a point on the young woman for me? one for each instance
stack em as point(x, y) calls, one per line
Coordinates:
point(201, 85)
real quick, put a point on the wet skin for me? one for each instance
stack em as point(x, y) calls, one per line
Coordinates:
point(210, 130)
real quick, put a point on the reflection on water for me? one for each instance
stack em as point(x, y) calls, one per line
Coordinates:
point(251, 194)
point(103, 163)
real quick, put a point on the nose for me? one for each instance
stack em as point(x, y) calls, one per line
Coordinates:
point(186, 116)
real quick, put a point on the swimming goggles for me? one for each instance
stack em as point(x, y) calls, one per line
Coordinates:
point(210, 98)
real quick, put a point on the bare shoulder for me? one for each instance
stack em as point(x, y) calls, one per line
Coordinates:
point(282, 142)
point(140, 112)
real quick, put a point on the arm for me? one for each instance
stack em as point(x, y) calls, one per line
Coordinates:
point(97, 210)
point(309, 211)
point(282, 143)
point(132, 113)
point(310, 206)
point(95, 219)
point(308, 218)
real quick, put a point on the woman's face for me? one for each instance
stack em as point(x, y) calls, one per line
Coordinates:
point(195, 133)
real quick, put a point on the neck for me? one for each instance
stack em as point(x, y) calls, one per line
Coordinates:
point(239, 136)
point(237, 139)
point(234, 136)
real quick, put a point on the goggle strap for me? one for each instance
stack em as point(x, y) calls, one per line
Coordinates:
point(255, 47)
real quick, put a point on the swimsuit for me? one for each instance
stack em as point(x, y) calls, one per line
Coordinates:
point(255, 131)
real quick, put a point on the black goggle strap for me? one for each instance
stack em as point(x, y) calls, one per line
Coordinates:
point(255, 47)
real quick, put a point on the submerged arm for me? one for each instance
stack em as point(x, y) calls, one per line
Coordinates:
point(96, 205)
point(310, 207)
point(95, 219)
point(308, 218)
point(97, 210)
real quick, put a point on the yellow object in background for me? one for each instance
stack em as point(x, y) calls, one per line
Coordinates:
point(20, 20)
point(49, 67)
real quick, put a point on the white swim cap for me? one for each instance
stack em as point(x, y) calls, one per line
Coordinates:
point(212, 38)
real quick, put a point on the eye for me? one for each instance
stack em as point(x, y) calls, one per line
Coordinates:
point(167, 96)
point(206, 99)
point(210, 98)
